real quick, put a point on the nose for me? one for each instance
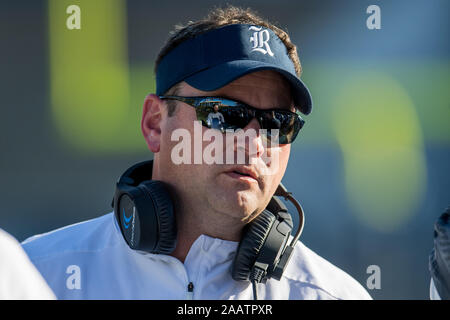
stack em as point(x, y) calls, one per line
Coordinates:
point(253, 143)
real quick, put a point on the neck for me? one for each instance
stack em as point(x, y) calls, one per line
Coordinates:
point(192, 223)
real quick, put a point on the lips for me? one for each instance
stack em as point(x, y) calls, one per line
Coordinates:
point(243, 172)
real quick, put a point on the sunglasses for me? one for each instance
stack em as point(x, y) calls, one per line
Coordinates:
point(225, 114)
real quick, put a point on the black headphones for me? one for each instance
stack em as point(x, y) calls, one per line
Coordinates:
point(144, 211)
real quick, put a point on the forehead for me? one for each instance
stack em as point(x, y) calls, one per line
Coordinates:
point(262, 89)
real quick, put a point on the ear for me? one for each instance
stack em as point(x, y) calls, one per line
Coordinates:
point(151, 122)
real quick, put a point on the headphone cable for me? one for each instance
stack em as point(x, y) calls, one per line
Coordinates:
point(255, 289)
point(257, 274)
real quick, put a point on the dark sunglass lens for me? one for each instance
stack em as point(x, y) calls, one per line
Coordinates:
point(223, 117)
point(287, 124)
point(269, 120)
point(236, 117)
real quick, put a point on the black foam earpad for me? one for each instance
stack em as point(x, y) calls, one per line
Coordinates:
point(167, 232)
point(255, 233)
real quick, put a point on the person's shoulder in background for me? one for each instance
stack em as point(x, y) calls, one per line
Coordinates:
point(317, 278)
point(19, 279)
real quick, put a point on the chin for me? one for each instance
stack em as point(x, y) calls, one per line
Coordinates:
point(240, 204)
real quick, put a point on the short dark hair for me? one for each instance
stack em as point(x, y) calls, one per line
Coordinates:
point(217, 18)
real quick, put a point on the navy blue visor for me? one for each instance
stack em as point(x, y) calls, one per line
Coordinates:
point(215, 58)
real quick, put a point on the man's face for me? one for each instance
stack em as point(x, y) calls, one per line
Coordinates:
point(220, 188)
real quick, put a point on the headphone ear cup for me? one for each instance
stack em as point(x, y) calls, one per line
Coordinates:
point(255, 234)
point(167, 231)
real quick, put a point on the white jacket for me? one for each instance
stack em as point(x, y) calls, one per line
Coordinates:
point(91, 260)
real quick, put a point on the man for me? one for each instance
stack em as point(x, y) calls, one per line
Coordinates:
point(252, 68)
point(215, 119)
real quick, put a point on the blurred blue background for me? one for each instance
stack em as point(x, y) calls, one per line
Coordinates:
point(371, 166)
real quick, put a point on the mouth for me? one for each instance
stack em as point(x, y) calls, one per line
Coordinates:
point(243, 174)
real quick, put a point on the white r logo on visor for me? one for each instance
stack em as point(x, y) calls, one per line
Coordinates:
point(260, 39)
